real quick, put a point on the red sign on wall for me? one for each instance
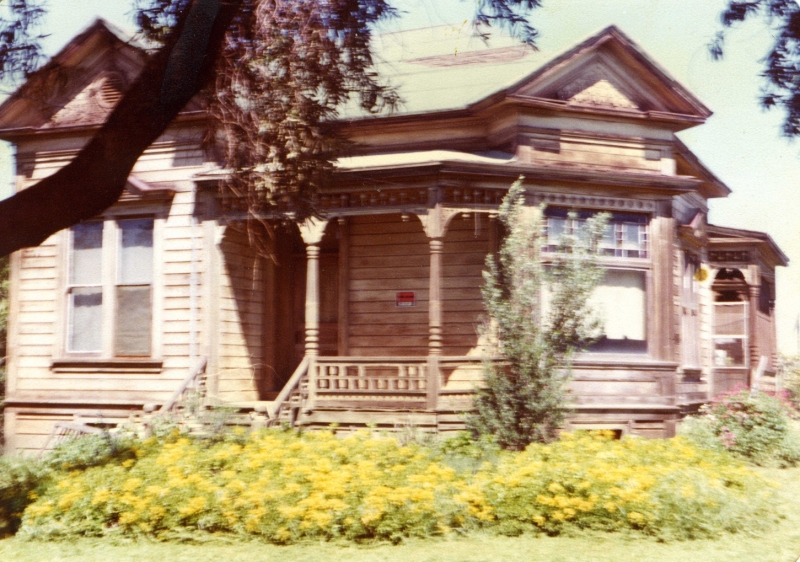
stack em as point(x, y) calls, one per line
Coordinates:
point(405, 298)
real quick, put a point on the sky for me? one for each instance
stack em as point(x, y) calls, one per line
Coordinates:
point(740, 143)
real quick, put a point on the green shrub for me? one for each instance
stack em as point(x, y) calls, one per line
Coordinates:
point(665, 488)
point(523, 398)
point(752, 426)
point(90, 450)
point(20, 481)
point(284, 487)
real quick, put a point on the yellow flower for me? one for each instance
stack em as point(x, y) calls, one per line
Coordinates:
point(195, 506)
point(635, 517)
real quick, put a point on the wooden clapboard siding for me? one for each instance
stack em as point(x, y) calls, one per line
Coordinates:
point(387, 255)
point(34, 317)
point(241, 320)
point(466, 245)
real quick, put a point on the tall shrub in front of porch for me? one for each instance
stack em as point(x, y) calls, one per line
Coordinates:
point(538, 316)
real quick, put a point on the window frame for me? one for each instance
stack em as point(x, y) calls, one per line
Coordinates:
point(111, 252)
point(621, 260)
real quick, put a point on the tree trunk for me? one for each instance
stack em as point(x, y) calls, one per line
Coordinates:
point(95, 179)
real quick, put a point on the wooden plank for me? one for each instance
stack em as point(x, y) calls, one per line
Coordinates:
point(28, 274)
point(34, 350)
point(27, 294)
point(463, 258)
point(387, 307)
point(387, 272)
point(463, 305)
point(402, 283)
point(37, 306)
point(404, 316)
point(365, 230)
point(38, 262)
point(389, 296)
point(37, 317)
point(42, 328)
point(38, 284)
point(420, 329)
point(115, 383)
point(389, 239)
point(421, 260)
point(459, 329)
point(388, 341)
point(388, 351)
point(400, 250)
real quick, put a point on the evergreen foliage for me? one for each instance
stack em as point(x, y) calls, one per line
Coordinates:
point(782, 63)
point(538, 316)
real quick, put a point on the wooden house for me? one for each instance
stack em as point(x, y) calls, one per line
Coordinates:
point(370, 314)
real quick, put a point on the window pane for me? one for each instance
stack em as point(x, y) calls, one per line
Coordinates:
point(136, 251)
point(620, 302)
point(86, 319)
point(555, 230)
point(86, 264)
point(729, 319)
point(133, 321)
point(728, 352)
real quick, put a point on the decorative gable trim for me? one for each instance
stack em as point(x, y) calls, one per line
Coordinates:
point(615, 74)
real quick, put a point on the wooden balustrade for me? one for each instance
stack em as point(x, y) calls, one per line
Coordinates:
point(370, 376)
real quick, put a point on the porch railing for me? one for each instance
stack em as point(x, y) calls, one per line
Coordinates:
point(291, 399)
point(408, 383)
point(195, 382)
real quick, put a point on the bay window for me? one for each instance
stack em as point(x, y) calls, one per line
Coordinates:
point(620, 300)
point(110, 288)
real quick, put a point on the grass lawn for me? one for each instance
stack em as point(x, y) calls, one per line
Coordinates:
point(780, 544)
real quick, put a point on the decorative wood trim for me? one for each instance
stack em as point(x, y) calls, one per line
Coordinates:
point(660, 337)
point(604, 203)
point(107, 366)
point(344, 286)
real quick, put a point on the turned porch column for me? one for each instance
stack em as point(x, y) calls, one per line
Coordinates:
point(752, 343)
point(434, 222)
point(312, 231)
point(435, 298)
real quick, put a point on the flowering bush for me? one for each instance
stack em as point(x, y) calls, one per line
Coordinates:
point(283, 488)
point(667, 488)
point(19, 481)
point(753, 426)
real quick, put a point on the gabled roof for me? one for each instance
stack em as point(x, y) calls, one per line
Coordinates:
point(615, 69)
point(606, 73)
point(99, 49)
point(80, 85)
point(722, 236)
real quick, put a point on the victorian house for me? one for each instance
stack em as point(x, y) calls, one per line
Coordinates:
point(370, 314)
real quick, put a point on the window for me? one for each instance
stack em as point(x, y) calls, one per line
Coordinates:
point(109, 292)
point(625, 236)
point(730, 334)
point(621, 298)
point(620, 303)
point(690, 312)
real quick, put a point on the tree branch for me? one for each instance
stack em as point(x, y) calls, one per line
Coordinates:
point(95, 179)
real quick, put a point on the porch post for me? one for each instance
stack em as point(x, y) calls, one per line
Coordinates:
point(434, 321)
point(312, 232)
point(435, 298)
point(312, 300)
point(752, 343)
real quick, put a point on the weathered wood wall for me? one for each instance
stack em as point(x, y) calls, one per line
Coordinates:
point(387, 255)
point(466, 245)
point(241, 366)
